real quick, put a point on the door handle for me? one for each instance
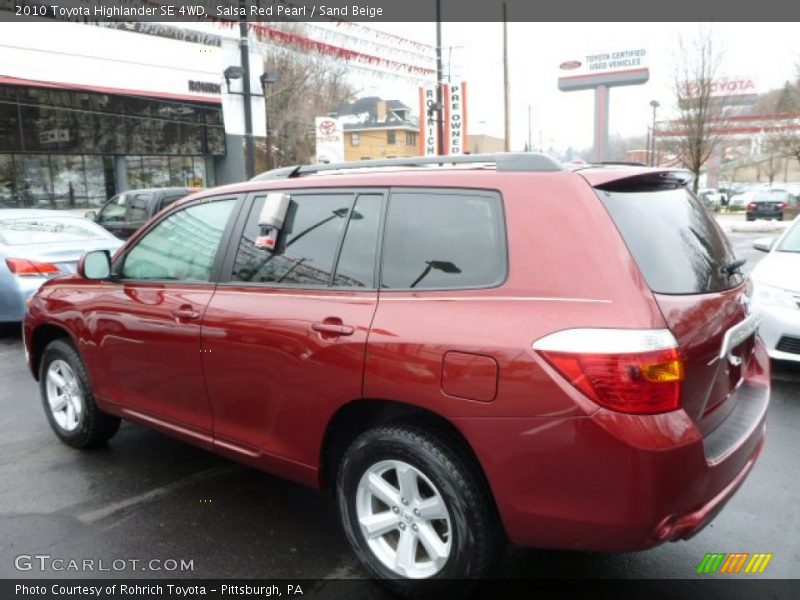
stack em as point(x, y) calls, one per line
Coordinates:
point(332, 328)
point(186, 313)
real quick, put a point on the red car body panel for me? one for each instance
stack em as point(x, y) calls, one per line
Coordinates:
point(261, 371)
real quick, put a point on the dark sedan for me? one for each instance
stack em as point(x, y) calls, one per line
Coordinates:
point(772, 204)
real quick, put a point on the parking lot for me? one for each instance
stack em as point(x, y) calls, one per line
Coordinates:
point(145, 496)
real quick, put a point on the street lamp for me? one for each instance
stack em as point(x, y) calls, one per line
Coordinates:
point(655, 105)
point(268, 79)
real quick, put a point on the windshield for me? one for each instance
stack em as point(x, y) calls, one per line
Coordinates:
point(791, 241)
point(674, 239)
point(46, 230)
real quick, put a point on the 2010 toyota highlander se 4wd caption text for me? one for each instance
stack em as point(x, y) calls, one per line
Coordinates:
point(493, 348)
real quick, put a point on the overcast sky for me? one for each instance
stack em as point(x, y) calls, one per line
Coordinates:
point(765, 52)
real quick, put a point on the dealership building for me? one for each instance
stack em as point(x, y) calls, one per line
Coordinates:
point(88, 110)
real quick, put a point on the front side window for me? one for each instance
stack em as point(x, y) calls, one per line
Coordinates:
point(115, 209)
point(306, 247)
point(182, 247)
point(443, 240)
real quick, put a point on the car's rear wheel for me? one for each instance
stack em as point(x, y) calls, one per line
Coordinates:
point(68, 399)
point(415, 509)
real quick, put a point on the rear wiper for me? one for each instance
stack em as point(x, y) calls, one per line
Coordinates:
point(733, 266)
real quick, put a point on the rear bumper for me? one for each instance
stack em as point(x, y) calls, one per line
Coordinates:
point(764, 214)
point(14, 297)
point(617, 482)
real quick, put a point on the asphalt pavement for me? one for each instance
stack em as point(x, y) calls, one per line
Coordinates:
point(145, 496)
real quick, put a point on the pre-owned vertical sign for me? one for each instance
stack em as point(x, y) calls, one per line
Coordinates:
point(428, 135)
point(455, 108)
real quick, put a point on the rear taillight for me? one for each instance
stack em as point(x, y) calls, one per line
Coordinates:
point(781, 206)
point(23, 267)
point(636, 371)
point(752, 206)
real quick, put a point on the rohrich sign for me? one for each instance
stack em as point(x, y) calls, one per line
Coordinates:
point(600, 71)
point(454, 101)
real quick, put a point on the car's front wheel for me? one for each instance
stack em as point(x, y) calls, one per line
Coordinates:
point(68, 399)
point(415, 509)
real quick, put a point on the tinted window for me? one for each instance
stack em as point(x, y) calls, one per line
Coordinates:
point(675, 241)
point(306, 246)
point(167, 200)
point(115, 209)
point(137, 210)
point(444, 240)
point(182, 246)
point(356, 267)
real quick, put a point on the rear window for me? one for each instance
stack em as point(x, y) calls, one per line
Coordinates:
point(444, 239)
point(675, 240)
point(23, 232)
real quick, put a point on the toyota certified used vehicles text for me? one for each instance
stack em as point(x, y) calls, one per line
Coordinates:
point(488, 349)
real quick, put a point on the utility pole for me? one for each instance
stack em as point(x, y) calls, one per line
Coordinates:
point(655, 105)
point(439, 78)
point(244, 46)
point(505, 80)
point(530, 143)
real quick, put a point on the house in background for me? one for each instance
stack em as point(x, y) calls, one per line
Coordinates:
point(375, 128)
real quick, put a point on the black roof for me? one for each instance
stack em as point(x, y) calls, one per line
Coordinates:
point(364, 114)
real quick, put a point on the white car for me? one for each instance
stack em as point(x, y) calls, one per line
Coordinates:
point(776, 293)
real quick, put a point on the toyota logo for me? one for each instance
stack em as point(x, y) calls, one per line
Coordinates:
point(327, 127)
point(569, 65)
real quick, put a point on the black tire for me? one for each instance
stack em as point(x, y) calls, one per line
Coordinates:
point(477, 538)
point(94, 426)
point(749, 217)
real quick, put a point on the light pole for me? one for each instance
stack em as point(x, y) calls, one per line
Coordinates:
point(655, 105)
point(268, 79)
point(439, 77)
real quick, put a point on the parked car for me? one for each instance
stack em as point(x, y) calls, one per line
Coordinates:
point(37, 245)
point(124, 213)
point(740, 200)
point(772, 204)
point(459, 357)
point(712, 198)
point(776, 293)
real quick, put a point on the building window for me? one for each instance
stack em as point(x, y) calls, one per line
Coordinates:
point(411, 138)
point(355, 139)
point(391, 137)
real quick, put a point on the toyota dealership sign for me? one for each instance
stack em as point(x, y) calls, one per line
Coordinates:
point(620, 66)
point(330, 140)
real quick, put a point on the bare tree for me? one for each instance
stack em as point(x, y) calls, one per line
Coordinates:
point(306, 87)
point(786, 134)
point(702, 118)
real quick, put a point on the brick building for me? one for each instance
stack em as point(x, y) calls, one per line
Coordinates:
point(375, 128)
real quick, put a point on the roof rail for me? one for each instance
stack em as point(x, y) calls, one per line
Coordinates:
point(619, 163)
point(507, 161)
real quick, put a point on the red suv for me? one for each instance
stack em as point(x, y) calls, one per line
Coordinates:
point(468, 350)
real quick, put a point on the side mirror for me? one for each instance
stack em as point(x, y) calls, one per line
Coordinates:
point(764, 244)
point(95, 265)
point(91, 215)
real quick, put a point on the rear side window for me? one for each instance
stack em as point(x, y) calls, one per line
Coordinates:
point(676, 242)
point(137, 210)
point(444, 239)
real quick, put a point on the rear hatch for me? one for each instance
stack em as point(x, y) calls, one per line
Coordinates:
point(691, 269)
